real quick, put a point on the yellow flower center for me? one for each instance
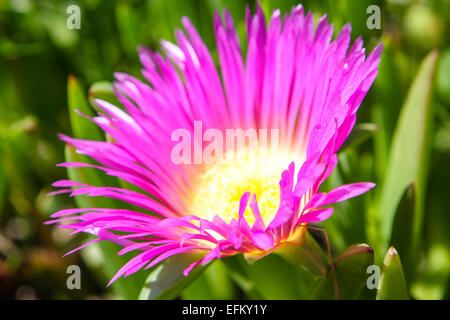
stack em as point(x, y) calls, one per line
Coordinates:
point(221, 186)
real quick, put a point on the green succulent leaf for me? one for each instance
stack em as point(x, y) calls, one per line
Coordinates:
point(167, 280)
point(238, 272)
point(392, 280)
point(403, 228)
point(284, 284)
point(407, 161)
point(214, 284)
point(308, 255)
point(442, 78)
point(82, 128)
point(298, 266)
point(386, 107)
point(351, 274)
point(259, 281)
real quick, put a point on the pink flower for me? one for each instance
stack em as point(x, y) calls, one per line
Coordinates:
point(293, 79)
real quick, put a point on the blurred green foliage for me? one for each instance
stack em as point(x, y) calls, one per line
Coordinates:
point(38, 53)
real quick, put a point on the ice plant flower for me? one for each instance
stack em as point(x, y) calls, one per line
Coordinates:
point(294, 78)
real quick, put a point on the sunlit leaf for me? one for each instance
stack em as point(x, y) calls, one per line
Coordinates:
point(167, 280)
point(237, 271)
point(407, 161)
point(386, 107)
point(297, 268)
point(308, 255)
point(392, 280)
point(82, 128)
point(403, 228)
point(279, 285)
point(213, 284)
point(442, 78)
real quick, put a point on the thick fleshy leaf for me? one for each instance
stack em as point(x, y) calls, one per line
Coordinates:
point(214, 284)
point(257, 279)
point(199, 289)
point(407, 161)
point(167, 280)
point(284, 284)
point(442, 78)
point(82, 128)
point(403, 228)
point(351, 274)
point(308, 255)
point(386, 108)
point(237, 271)
point(392, 280)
